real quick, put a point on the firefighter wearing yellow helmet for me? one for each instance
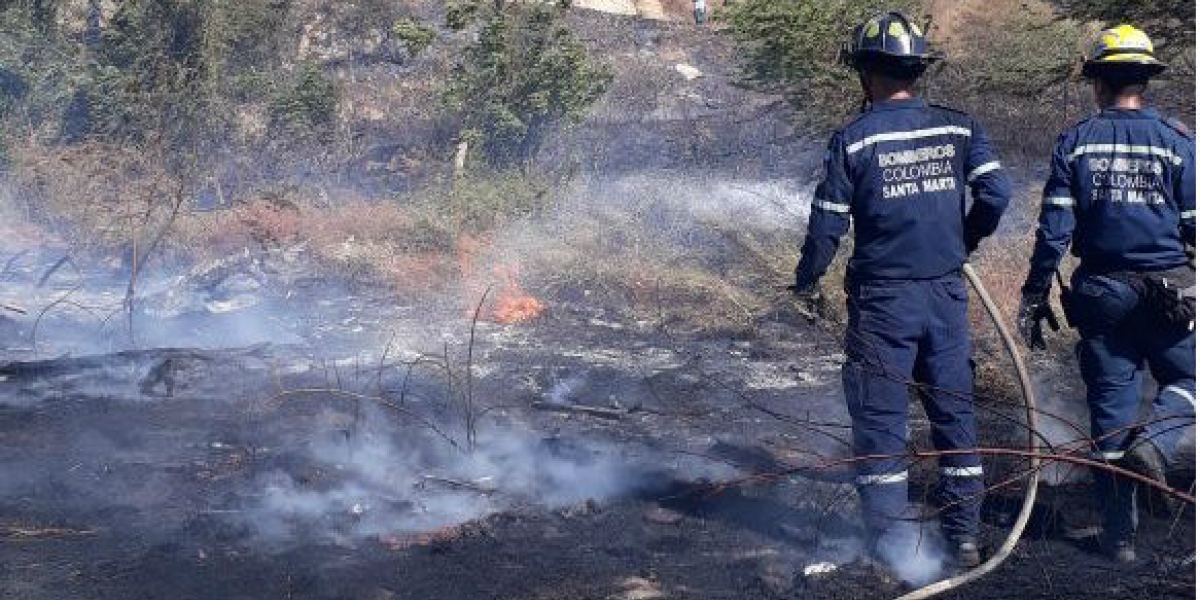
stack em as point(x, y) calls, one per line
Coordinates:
point(1122, 196)
point(1122, 51)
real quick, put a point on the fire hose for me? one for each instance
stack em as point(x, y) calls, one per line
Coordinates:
point(1034, 448)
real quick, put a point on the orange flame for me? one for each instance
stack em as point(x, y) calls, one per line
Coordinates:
point(508, 303)
point(513, 304)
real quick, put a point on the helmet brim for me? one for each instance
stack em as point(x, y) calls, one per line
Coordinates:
point(880, 57)
point(1123, 65)
point(897, 67)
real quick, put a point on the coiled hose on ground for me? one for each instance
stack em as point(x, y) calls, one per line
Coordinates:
point(1033, 447)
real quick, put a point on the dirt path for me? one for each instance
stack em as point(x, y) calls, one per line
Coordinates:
point(646, 9)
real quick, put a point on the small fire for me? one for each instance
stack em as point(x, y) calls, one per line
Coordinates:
point(513, 304)
point(507, 302)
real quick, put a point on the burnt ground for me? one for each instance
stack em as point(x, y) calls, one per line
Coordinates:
point(212, 473)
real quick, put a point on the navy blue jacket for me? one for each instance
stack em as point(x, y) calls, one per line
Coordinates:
point(901, 170)
point(1121, 193)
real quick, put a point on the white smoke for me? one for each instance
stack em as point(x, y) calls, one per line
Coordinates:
point(1063, 424)
point(563, 389)
point(915, 552)
point(373, 484)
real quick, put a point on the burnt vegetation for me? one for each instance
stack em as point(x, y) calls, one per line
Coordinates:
point(382, 299)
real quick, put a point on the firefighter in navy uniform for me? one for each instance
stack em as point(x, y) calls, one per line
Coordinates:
point(1122, 195)
point(902, 171)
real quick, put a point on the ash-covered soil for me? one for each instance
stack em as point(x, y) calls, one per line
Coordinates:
point(338, 463)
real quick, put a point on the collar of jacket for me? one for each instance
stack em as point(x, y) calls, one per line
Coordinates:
point(1129, 113)
point(914, 102)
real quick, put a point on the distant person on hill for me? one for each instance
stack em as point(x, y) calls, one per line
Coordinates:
point(1122, 196)
point(902, 171)
point(700, 11)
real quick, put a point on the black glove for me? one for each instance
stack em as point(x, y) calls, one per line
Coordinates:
point(808, 301)
point(1035, 308)
point(971, 241)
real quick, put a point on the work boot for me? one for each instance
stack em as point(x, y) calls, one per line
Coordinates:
point(966, 553)
point(1145, 460)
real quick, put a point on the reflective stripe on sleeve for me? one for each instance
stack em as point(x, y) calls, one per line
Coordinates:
point(987, 167)
point(1187, 214)
point(1182, 393)
point(893, 136)
point(884, 478)
point(1064, 201)
point(1126, 149)
point(831, 206)
point(1113, 455)
point(976, 471)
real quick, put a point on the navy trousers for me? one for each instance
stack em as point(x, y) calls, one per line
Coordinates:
point(903, 333)
point(1118, 335)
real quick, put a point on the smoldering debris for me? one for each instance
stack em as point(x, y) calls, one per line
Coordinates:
point(916, 553)
point(130, 375)
point(562, 390)
point(603, 413)
point(559, 398)
point(375, 485)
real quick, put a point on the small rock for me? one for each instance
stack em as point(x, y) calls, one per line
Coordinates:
point(688, 71)
point(818, 569)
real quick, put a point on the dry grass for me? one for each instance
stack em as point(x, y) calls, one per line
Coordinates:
point(645, 255)
point(652, 259)
point(111, 196)
point(109, 200)
point(409, 247)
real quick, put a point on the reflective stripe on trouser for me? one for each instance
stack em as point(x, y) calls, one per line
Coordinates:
point(1117, 335)
point(900, 331)
point(1174, 409)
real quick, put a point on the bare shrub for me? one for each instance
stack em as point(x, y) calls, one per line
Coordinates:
point(112, 196)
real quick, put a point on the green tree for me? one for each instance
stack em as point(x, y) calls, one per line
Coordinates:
point(525, 74)
point(37, 64)
point(792, 47)
point(306, 106)
point(415, 36)
point(168, 68)
point(173, 67)
point(1033, 56)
